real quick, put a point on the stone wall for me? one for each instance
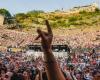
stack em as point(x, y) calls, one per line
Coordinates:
point(87, 8)
point(1, 20)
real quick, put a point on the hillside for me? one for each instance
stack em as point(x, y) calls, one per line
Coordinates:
point(35, 19)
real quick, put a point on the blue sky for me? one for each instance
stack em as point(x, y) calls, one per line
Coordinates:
point(18, 6)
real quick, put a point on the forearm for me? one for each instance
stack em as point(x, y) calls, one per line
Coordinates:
point(52, 68)
point(40, 75)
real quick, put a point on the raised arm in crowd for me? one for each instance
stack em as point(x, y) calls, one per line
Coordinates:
point(52, 68)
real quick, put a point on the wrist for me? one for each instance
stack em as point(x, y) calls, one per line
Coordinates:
point(46, 48)
point(49, 57)
point(47, 51)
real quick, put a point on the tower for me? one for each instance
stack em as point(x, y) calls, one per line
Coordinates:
point(97, 2)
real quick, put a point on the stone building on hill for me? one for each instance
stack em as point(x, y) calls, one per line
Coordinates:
point(1, 19)
point(87, 8)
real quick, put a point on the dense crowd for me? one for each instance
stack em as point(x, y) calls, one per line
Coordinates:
point(17, 66)
point(61, 36)
point(76, 66)
point(77, 38)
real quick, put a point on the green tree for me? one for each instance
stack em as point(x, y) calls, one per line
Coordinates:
point(5, 12)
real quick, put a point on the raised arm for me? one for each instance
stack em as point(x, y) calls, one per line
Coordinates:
point(52, 68)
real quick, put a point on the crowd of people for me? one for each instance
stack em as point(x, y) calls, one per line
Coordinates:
point(76, 66)
point(78, 38)
point(17, 66)
point(73, 38)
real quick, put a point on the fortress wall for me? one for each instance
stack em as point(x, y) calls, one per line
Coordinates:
point(1, 20)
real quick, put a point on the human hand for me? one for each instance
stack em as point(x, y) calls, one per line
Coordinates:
point(46, 37)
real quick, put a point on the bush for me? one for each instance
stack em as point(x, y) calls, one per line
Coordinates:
point(83, 12)
point(73, 19)
point(54, 24)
